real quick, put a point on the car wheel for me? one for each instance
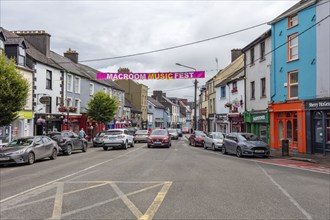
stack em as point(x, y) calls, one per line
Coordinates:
point(126, 145)
point(84, 149)
point(239, 152)
point(105, 148)
point(148, 146)
point(213, 147)
point(204, 145)
point(68, 150)
point(223, 149)
point(54, 154)
point(31, 158)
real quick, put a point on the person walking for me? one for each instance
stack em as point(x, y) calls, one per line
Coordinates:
point(82, 133)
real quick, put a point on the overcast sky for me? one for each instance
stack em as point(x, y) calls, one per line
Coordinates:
point(106, 29)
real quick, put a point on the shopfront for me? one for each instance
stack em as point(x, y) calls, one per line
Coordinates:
point(23, 126)
point(236, 121)
point(222, 123)
point(258, 124)
point(318, 126)
point(45, 123)
point(287, 122)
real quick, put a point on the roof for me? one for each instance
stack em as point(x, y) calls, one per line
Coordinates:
point(293, 10)
point(258, 40)
point(236, 76)
point(155, 103)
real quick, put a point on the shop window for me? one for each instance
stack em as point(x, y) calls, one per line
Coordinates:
point(263, 132)
point(280, 131)
point(318, 131)
point(289, 130)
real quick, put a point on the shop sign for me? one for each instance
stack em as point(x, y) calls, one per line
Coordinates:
point(324, 104)
point(25, 115)
point(221, 116)
point(44, 99)
point(259, 118)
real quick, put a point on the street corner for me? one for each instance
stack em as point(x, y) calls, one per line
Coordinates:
point(297, 164)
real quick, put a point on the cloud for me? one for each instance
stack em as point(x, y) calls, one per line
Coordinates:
point(105, 29)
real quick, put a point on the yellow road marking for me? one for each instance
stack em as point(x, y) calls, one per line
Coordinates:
point(138, 214)
point(57, 211)
point(157, 202)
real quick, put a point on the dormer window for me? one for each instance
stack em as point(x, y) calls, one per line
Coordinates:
point(21, 56)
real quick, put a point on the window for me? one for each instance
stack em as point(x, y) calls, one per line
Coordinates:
point(91, 89)
point(252, 56)
point(293, 47)
point(253, 90)
point(77, 104)
point(77, 85)
point(68, 102)
point(292, 21)
point(234, 87)
point(262, 51)
point(293, 85)
point(48, 79)
point(263, 87)
point(2, 45)
point(49, 105)
point(223, 91)
point(21, 56)
point(69, 83)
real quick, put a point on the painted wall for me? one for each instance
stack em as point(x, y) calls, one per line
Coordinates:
point(306, 64)
point(260, 69)
point(323, 50)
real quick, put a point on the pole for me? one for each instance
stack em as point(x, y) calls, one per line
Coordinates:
point(195, 107)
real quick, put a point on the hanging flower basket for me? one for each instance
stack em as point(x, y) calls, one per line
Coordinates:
point(72, 109)
point(41, 121)
point(62, 109)
point(228, 105)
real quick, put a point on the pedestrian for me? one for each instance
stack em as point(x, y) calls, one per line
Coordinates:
point(82, 133)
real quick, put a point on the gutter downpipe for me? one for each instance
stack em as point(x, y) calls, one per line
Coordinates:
point(272, 66)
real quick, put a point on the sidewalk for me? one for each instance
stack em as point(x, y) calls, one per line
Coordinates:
point(317, 159)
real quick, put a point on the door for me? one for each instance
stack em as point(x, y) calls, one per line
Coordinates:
point(38, 148)
point(287, 125)
point(76, 140)
point(47, 145)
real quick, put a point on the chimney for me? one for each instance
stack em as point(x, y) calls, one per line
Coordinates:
point(157, 95)
point(235, 53)
point(72, 55)
point(39, 39)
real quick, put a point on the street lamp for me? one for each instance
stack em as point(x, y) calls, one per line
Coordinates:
point(195, 98)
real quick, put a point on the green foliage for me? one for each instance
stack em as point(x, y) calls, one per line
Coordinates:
point(102, 108)
point(13, 91)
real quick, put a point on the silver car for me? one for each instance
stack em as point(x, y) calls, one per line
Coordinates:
point(28, 150)
point(117, 138)
point(141, 136)
point(213, 140)
point(245, 144)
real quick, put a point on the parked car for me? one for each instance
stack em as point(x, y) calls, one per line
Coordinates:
point(98, 139)
point(245, 144)
point(185, 130)
point(179, 132)
point(174, 134)
point(141, 136)
point(159, 138)
point(117, 138)
point(197, 138)
point(68, 141)
point(28, 150)
point(213, 140)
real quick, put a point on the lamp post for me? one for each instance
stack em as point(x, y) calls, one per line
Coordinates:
point(195, 98)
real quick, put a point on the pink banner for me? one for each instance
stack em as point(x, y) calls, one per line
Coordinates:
point(149, 76)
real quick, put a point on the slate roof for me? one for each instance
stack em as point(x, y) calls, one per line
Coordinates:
point(293, 10)
point(156, 103)
point(258, 40)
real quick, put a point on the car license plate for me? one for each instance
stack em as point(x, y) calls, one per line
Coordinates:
point(4, 158)
point(157, 142)
point(259, 151)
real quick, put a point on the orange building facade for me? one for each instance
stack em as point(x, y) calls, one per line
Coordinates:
point(288, 122)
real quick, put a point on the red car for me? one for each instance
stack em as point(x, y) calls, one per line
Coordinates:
point(197, 138)
point(159, 138)
point(185, 130)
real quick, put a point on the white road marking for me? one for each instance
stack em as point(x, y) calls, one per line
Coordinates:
point(57, 211)
point(307, 215)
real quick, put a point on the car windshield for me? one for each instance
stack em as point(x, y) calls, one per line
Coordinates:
point(21, 142)
point(114, 132)
point(100, 134)
point(141, 132)
point(172, 131)
point(217, 135)
point(200, 133)
point(159, 132)
point(250, 137)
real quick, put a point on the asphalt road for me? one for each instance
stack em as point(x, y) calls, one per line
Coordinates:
point(182, 182)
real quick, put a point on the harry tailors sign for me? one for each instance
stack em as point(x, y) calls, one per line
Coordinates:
point(149, 76)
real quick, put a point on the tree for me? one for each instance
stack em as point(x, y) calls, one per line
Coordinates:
point(102, 108)
point(14, 91)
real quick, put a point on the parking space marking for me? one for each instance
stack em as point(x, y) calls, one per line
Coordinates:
point(57, 211)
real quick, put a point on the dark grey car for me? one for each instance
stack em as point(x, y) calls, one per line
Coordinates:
point(28, 150)
point(245, 144)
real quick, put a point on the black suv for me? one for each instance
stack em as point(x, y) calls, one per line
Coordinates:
point(69, 141)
